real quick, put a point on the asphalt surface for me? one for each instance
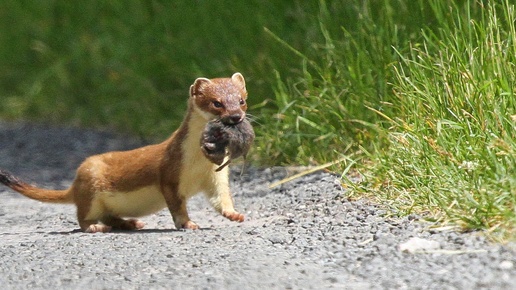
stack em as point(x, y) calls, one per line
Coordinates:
point(304, 234)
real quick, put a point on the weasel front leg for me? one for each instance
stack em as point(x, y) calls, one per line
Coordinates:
point(220, 197)
point(177, 207)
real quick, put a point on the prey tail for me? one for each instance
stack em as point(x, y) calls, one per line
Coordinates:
point(54, 196)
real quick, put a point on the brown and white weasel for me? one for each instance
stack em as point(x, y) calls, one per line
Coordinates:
point(139, 182)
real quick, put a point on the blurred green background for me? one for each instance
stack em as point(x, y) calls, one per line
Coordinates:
point(129, 64)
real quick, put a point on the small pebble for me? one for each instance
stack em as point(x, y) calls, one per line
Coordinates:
point(414, 245)
point(506, 265)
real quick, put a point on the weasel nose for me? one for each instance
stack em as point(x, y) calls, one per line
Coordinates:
point(233, 119)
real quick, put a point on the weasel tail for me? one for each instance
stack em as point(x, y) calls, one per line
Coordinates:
point(53, 196)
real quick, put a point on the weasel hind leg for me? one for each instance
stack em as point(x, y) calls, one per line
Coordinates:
point(123, 224)
point(105, 222)
point(109, 223)
point(90, 226)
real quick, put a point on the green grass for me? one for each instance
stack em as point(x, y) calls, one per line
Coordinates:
point(424, 108)
point(416, 96)
point(453, 123)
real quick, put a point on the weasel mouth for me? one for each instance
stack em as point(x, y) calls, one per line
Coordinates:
point(232, 119)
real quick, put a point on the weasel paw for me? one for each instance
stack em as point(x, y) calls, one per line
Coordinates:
point(233, 216)
point(133, 224)
point(98, 228)
point(190, 225)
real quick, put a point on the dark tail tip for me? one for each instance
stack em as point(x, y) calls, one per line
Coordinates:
point(8, 179)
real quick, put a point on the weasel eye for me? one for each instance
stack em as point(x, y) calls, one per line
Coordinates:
point(242, 101)
point(217, 104)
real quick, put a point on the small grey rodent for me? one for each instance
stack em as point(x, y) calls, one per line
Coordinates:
point(219, 140)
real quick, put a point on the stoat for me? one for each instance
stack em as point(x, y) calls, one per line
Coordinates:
point(112, 186)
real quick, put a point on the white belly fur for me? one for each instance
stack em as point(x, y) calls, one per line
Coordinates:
point(141, 202)
point(198, 172)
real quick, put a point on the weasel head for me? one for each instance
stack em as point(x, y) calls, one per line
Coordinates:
point(221, 98)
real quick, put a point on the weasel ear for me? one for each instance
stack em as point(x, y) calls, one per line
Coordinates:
point(198, 86)
point(238, 79)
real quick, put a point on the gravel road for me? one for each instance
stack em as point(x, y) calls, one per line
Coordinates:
point(304, 234)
